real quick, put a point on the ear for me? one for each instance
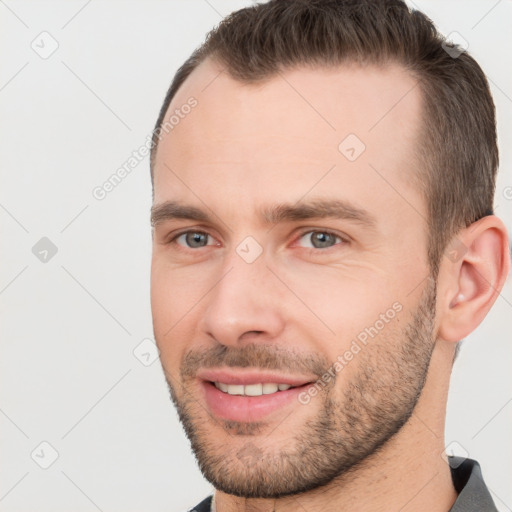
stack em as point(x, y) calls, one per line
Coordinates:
point(472, 273)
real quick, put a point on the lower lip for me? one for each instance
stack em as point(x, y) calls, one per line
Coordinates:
point(247, 408)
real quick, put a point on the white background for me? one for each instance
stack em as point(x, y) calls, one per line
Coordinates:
point(69, 326)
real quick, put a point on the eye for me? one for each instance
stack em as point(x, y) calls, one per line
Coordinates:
point(194, 239)
point(319, 240)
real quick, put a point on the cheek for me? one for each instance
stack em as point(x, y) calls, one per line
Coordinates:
point(344, 300)
point(175, 299)
point(175, 290)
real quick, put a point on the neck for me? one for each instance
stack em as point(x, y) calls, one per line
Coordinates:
point(409, 473)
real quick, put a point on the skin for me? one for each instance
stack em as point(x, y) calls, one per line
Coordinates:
point(248, 146)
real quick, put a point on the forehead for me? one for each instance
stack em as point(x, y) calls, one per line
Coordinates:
point(350, 130)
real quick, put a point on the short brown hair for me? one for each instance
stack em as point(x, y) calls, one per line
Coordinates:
point(458, 153)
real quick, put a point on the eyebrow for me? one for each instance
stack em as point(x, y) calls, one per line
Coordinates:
point(170, 210)
point(275, 214)
point(319, 209)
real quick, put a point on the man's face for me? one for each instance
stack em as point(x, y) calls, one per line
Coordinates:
point(290, 250)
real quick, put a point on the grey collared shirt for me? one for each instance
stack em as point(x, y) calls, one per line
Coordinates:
point(467, 480)
point(469, 484)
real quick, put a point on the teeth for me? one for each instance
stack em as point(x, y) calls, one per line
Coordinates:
point(222, 386)
point(268, 389)
point(251, 389)
point(236, 389)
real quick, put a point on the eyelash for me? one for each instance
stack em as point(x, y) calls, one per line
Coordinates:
point(343, 239)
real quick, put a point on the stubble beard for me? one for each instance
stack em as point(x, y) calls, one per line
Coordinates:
point(374, 405)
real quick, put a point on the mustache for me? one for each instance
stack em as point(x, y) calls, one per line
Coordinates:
point(261, 356)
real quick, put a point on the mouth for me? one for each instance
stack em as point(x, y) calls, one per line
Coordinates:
point(266, 388)
point(250, 396)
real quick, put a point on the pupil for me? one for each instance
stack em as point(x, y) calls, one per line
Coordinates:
point(196, 239)
point(322, 240)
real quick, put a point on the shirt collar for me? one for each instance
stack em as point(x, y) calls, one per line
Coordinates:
point(470, 486)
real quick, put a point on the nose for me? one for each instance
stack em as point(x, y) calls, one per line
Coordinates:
point(244, 305)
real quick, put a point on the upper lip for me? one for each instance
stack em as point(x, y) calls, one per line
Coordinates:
point(251, 376)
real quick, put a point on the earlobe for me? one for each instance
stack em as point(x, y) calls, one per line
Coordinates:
point(469, 286)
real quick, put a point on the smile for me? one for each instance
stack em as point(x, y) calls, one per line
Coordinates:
point(250, 395)
point(266, 388)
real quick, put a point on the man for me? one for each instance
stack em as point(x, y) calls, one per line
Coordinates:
point(323, 178)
